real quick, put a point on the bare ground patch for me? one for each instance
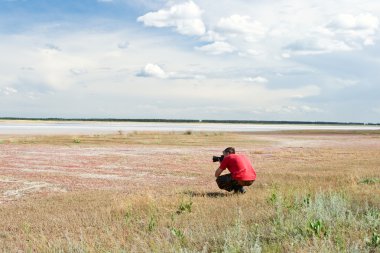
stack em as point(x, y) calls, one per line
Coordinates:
point(27, 169)
point(166, 162)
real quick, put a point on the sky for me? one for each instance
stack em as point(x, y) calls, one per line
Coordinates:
point(290, 60)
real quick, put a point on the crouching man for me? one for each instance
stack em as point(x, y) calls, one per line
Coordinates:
point(241, 171)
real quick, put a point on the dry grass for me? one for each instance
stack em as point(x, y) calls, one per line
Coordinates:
point(154, 192)
point(187, 138)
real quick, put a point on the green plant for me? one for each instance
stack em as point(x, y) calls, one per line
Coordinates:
point(152, 223)
point(307, 200)
point(127, 216)
point(317, 227)
point(26, 228)
point(177, 233)
point(76, 140)
point(185, 206)
point(272, 199)
point(374, 241)
point(370, 180)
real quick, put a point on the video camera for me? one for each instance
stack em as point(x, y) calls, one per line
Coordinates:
point(217, 158)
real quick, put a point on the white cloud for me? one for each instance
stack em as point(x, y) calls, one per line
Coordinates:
point(242, 25)
point(78, 71)
point(36, 65)
point(185, 17)
point(257, 79)
point(305, 91)
point(253, 52)
point(306, 108)
point(8, 91)
point(343, 33)
point(54, 67)
point(153, 70)
point(351, 28)
point(314, 45)
point(279, 34)
point(364, 21)
point(288, 109)
point(212, 36)
point(217, 48)
point(344, 83)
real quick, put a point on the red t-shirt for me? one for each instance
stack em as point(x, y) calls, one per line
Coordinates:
point(239, 166)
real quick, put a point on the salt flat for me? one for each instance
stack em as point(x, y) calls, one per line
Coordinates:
point(85, 127)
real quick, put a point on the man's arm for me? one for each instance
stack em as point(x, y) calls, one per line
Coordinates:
point(218, 172)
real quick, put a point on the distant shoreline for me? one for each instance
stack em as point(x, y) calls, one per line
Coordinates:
point(107, 126)
point(194, 121)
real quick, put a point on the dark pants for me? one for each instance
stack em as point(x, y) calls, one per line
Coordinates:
point(226, 182)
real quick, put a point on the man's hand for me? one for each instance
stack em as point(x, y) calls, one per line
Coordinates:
point(218, 172)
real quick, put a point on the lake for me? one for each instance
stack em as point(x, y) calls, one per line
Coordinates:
point(86, 127)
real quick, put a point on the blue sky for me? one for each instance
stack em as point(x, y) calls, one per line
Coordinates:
point(237, 60)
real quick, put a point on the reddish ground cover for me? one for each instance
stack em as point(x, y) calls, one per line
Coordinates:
point(37, 168)
point(31, 169)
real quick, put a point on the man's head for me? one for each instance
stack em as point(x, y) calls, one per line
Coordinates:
point(228, 151)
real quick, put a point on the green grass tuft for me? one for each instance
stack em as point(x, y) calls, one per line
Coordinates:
point(370, 180)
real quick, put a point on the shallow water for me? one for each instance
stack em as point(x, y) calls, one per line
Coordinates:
point(17, 127)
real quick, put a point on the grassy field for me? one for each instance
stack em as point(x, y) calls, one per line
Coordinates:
point(316, 191)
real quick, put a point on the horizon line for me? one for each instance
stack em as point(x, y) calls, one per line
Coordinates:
point(190, 120)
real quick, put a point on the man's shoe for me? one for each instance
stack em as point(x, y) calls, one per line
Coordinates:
point(240, 190)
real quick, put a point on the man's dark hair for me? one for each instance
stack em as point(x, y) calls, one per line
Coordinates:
point(229, 150)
